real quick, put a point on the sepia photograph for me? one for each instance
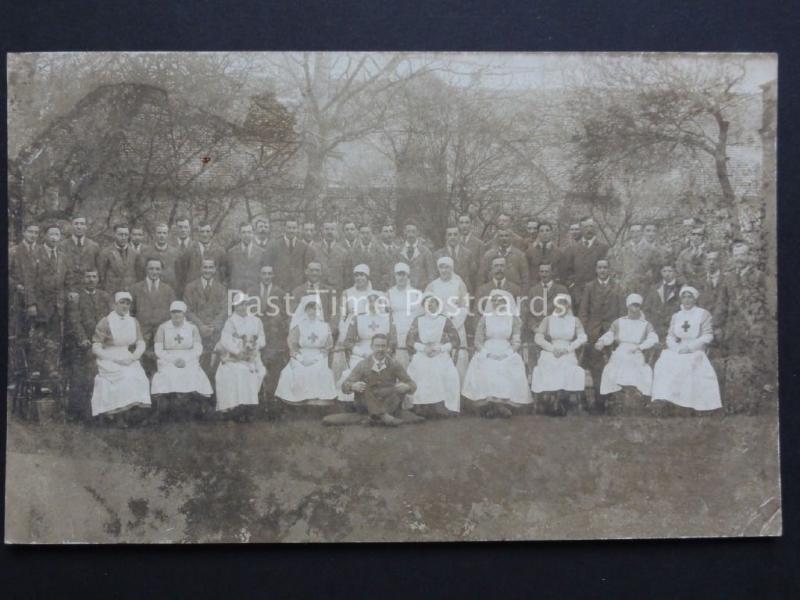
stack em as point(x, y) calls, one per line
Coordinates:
point(391, 297)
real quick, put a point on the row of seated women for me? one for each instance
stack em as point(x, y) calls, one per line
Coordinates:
point(494, 379)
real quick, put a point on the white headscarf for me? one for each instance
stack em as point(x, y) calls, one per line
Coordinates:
point(633, 299)
point(511, 306)
point(691, 290)
point(300, 312)
point(559, 300)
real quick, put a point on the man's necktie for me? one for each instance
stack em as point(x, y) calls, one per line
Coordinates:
point(410, 252)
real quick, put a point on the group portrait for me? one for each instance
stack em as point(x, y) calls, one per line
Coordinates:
point(260, 297)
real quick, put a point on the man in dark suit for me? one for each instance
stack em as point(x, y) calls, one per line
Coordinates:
point(80, 253)
point(662, 301)
point(471, 241)
point(162, 250)
point(206, 306)
point(503, 224)
point(715, 296)
point(244, 260)
point(333, 257)
point(543, 251)
point(45, 296)
point(289, 256)
point(21, 262)
point(581, 261)
point(497, 281)
point(137, 238)
point(310, 233)
point(463, 259)
point(350, 235)
point(369, 252)
point(417, 257)
point(313, 285)
point(603, 303)
point(388, 242)
point(151, 300)
point(516, 263)
point(190, 266)
point(117, 263)
point(273, 316)
point(537, 306)
point(262, 230)
point(84, 311)
point(184, 229)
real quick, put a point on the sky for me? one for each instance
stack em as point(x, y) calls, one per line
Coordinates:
point(525, 70)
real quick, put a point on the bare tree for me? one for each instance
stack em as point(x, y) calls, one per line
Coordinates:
point(638, 114)
point(336, 100)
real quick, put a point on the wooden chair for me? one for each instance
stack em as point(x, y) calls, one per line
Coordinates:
point(32, 385)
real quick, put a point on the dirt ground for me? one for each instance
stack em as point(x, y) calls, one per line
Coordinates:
point(531, 477)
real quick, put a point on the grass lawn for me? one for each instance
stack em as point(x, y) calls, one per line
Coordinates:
point(531, 477)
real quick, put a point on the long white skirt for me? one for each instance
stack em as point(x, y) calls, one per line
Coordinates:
point(299, 383)
point(437, 380)
point(502, 379)
point(626, 368)
point(170, 379)
point(238, 383)
point(553, 374)
point(687, 380)
point(118, 387)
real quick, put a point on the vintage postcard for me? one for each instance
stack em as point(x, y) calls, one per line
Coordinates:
point(343, 297)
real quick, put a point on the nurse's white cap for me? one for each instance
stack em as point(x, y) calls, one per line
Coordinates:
point(633, 299)
point(177, 305)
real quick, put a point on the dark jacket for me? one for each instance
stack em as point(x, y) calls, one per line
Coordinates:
point(244, 268)
point(659, 307)
point(601, 305)
point(336, 267)
point(85, 313)
point(117, 268)
point(45, 283)
point(206, 306)
point(289, 265)
point(151, 309)
point(79, 259)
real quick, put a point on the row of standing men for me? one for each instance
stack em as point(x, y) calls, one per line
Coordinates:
point(47, 274)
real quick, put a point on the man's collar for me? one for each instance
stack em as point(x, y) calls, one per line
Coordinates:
point(125, 247)
point(605, 281)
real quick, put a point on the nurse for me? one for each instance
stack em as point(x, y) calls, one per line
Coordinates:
point(178, 347)
point(683, 374)
point(121, 383)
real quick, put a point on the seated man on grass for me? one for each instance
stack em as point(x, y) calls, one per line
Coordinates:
point(380, 385)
